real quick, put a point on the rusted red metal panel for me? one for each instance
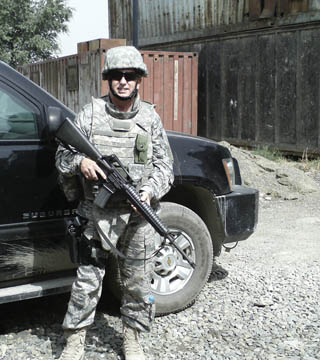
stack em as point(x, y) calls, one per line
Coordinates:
point(187, 95)
point(158, 84)
point(172, 85)
point(168, 78)
point(178, 93)
point(194, 97)
point(146, 88)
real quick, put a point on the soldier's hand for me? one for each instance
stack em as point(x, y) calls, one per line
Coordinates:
point(90, 169)
point(144, 197)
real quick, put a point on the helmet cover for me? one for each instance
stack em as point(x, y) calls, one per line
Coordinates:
point(124, 57)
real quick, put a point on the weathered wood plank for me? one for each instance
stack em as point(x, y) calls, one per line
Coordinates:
point(265, 89)
point(230, 126)
point(286, 70)
point(247, 89)
point(308, 122)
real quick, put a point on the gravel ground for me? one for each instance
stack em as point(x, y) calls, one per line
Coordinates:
point(266, 308)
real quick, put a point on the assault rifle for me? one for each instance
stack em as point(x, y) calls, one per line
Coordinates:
point(70, 134)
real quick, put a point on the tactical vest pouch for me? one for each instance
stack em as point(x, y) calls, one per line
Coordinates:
point(141, 150)
point(74, 231)
point(81, 250)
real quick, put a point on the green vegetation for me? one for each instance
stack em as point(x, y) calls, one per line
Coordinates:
point(30, 28)
point(306, 162)
point(269, 153)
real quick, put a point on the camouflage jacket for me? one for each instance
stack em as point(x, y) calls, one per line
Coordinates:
point(104, 125)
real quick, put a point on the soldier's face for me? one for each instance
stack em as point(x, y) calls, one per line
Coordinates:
point(124, 82)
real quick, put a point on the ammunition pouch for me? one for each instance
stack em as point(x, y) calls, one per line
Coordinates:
point(83, 251)
point(141, 150)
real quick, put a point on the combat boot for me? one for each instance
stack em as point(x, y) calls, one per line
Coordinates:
point(74, 349)
point(131, 345)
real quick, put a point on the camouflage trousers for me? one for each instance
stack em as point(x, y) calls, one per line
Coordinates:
point(137, 241)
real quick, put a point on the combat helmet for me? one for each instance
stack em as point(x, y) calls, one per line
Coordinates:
point(123, 57)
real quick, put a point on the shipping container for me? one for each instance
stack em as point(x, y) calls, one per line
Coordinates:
point(172, 84)
point(163, 21)
point(258, 77)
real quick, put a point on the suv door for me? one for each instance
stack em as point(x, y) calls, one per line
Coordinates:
point(31, 204)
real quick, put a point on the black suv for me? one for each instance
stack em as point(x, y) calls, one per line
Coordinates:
point(207, 203)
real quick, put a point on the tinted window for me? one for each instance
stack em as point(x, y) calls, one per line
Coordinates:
point(18, 118)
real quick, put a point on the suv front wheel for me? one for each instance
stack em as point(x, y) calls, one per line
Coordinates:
point(175, 283)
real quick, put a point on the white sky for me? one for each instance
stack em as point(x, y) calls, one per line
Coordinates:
point(89, 22)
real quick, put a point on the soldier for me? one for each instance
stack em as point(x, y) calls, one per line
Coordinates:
point(120, 124)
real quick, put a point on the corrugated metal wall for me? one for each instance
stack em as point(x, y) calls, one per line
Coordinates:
point(172, 84)
point(159, 19)
point(314, 5)
point(168, 17)
point(258, 80)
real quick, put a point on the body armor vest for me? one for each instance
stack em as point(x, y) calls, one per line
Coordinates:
point(127, 135)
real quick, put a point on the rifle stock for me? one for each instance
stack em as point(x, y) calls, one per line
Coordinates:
point(70, 134)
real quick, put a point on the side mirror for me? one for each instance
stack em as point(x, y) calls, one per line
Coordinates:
point(55, 120)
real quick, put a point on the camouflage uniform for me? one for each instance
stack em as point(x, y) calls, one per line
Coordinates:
point(112, 131)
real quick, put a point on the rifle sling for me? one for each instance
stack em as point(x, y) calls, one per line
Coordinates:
point(116, 251)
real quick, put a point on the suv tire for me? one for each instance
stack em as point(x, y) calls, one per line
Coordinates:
point(176, 285)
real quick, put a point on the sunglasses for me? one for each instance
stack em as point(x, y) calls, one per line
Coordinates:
point(118, 75)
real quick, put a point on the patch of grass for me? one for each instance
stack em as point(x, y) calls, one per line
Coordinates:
point(309, 164)
point(269, 153)
point(306, 162)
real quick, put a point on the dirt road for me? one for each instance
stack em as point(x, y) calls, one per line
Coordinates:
point(290, 229)
point(266, 308)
